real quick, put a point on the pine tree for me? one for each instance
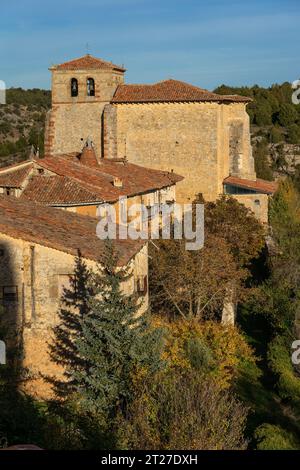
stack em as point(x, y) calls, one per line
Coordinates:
point(114, 344)
point(74, 305)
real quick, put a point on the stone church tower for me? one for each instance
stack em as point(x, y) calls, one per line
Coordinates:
point(80, 90)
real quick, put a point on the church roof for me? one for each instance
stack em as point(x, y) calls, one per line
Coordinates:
point(59, 229)
point(87, 62)
point(259, 185)
point(170, 90)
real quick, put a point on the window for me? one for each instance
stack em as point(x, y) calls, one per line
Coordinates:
point(257, 202)
point(10, 293)
point(2, 252)
point(9, 192)
point(74, 87)
point(141, 285)
point(90, 87)
point(41, 171)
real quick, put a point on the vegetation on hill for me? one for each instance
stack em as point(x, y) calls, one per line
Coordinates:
point(274, 120)
point(22, 122)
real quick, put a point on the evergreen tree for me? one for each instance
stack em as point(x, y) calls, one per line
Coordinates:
point(114, 344)
point(74, 305)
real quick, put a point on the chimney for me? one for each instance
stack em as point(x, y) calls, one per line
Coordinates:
point(88, 155)
point(118, 183)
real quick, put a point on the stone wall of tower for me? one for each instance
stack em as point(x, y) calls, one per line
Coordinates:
point(192, 139)
point(72, 119)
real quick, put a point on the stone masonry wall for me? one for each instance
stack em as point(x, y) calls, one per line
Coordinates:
point(191, 139)
point(39, 274)
point(73, 119)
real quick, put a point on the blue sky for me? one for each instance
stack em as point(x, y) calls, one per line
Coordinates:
point(206, 43)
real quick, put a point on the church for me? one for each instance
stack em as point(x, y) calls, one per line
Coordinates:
point(170, 125)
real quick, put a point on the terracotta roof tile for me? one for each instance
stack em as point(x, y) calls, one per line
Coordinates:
point(169, 90)
point(258, 185)
point(87, 62)
point(59, 229)
point(15, 175)
point(68, 181)
point(57, 190)
point(99, 181)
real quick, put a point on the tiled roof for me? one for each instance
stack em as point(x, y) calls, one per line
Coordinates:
point(57, 190)
point(59, 229)
point(258, 185)
point(169, 90)
point(67, 181)
point(87, 62)
point(14, 175)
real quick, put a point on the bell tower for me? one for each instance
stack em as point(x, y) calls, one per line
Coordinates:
point(80, 90)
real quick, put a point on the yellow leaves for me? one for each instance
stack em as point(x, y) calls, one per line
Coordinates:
point(227, 347)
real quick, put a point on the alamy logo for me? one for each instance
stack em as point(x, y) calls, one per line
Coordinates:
point(2, 92)
point(2, 352)
point(296, 93)
point(165, 220)
point(296, 353)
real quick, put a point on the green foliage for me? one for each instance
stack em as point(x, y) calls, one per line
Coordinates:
point(272, 437)
point(113, 343)
point(271, 107)
point(287, 114)
point(276, 136)
point(34, 97)
point(262, 166)
point(294, 134)
point(279, 357)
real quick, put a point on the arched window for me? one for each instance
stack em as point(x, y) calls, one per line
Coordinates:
point(74, 87)
point(90, 87)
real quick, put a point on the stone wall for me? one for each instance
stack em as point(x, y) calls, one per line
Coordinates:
point(39, 274)
point(258, 203)
point(191, 139)
point(72, 119)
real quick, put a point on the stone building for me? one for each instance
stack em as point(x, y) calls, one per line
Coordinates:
point(38, 246)
point(169, 125)
point(79, 183)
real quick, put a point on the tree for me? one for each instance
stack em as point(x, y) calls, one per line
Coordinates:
point(74, 306)
point(113, 344)
point(262, 167)
point(287, 115)
point(190, 404)
point(194, 284)
point(294, 134)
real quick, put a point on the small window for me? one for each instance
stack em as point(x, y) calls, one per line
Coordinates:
point(1, 252)
point(9, 191)
point(141, 285)
point(257, 202)
point(90, 87)
point(10, 293)
point(41, 171)
point(74, 87)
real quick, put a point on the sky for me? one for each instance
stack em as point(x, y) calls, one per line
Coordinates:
point(206, 43)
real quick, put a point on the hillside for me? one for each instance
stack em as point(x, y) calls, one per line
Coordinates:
point(22, 122)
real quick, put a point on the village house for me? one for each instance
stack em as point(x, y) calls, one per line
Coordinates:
point(38, 246)
point(171, 126)
point(79, 183)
